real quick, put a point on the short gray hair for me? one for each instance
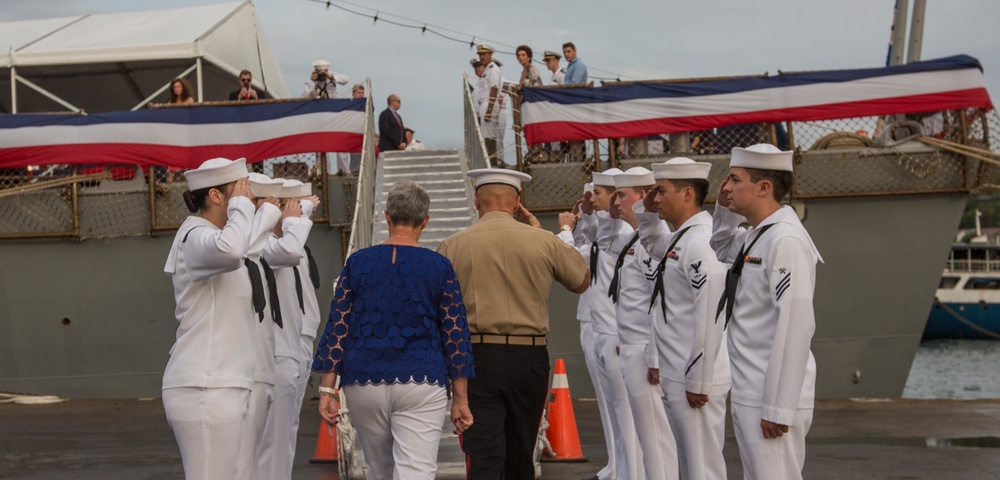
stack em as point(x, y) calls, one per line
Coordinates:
point(408, 204)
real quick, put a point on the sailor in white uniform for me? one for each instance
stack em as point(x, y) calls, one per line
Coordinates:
point(572, 236)
point(628, 461)
point(552, 62)
point(284, 253)
point(207, 381)
point(493, 121)
point(769, 312)
point(268, 214)
point(630, 289)
point(694, 363)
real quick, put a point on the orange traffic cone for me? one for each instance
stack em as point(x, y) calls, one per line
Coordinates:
point(326, 444)
point(562, 433)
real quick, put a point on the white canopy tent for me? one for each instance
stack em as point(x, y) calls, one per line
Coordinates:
point(121, 61)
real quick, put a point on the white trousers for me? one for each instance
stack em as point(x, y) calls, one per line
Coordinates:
point(700, 432)
point(628, 458)
point(771, 459)
point(399, 428)
point(277, 447)
point(208, 426)
point(261, 398)
point(659, 449)
point(587, 343)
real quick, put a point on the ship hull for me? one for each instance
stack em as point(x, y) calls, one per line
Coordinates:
point(963, 321)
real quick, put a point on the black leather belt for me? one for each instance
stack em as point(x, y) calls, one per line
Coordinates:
point(491, 338)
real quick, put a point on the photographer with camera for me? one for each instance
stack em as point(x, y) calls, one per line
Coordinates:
point(247, 91)
point(323, 83)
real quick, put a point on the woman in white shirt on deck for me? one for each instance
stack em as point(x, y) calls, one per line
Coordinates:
point(207, 381)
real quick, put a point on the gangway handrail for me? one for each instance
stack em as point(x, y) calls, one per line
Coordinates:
point(475, 146)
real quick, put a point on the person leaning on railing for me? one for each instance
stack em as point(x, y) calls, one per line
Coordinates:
point(397, 337)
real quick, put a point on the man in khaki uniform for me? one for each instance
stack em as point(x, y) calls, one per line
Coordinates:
point(506, 268)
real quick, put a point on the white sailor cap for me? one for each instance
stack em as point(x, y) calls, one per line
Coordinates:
point(262, 186)
point(486, 176)
point(763, 156)
point(681, 168)
point(295, 189)
point(588, 187)
point(606, 178)
point(634, 177)
point(484, 49)
point(475, 61)
point(550, 54)
point(321, 64)
point(215, 172)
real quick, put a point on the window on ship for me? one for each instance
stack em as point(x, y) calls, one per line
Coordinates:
point(948, 283)
point(983, 284)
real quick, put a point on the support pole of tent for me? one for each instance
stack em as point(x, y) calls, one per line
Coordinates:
point(163, 88)
point(13, 89)
point(46, 93)
point(899, 32)
point(916, 31)
point(197, 66)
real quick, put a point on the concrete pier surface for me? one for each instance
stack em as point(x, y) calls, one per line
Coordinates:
point(892, 439)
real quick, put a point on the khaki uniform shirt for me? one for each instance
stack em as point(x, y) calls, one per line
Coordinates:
point(506, 270)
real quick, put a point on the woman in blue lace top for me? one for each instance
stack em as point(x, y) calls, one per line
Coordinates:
point(398, 339)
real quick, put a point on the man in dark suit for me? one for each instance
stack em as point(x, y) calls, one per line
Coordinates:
point(247, 91)
point(390, 127)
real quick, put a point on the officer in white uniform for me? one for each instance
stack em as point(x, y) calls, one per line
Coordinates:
point(262, 395)
point(493, 122)
point(207, 381)
point(694, 363)
point(572, 236)
point(552, 62)
point(769, 312)
point(630, 289)
point(322, 82)
point(285, 252)
point(628, 461)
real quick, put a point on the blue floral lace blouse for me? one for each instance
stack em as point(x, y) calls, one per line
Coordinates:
point(397, 316)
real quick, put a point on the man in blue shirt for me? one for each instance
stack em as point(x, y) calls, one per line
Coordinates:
point(576, 71)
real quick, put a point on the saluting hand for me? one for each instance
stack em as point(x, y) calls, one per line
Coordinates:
point(587, 205)
point(649, 203)
point(567, 219)
point(722, 199)
point(292, 209)
point(526, 217)
point(242, 189)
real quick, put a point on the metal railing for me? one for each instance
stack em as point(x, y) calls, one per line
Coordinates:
point(475, 146)
point(364, 207)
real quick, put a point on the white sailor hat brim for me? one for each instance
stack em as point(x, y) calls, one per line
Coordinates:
point(488, 176)
point(295, 189)
point(321, 64)
point(763, 156)
point(263, 186)
point(681, 168)
point(215, 172)
point(606, 178)
point(634, 177)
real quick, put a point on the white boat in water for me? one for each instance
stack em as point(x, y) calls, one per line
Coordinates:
point(967, 302)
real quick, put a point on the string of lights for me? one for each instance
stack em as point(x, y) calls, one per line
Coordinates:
point(443, 32)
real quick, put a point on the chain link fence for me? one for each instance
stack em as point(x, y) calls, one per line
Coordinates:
point(107, 201)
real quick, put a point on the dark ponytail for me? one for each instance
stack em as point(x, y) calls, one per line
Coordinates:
point(195, 200)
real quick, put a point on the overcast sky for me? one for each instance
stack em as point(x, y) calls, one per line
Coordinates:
point(634, 39)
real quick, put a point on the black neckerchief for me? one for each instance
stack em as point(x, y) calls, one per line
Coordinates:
point(613, 288)
point(733, 278)
point(658, 289)
point(272, 290)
